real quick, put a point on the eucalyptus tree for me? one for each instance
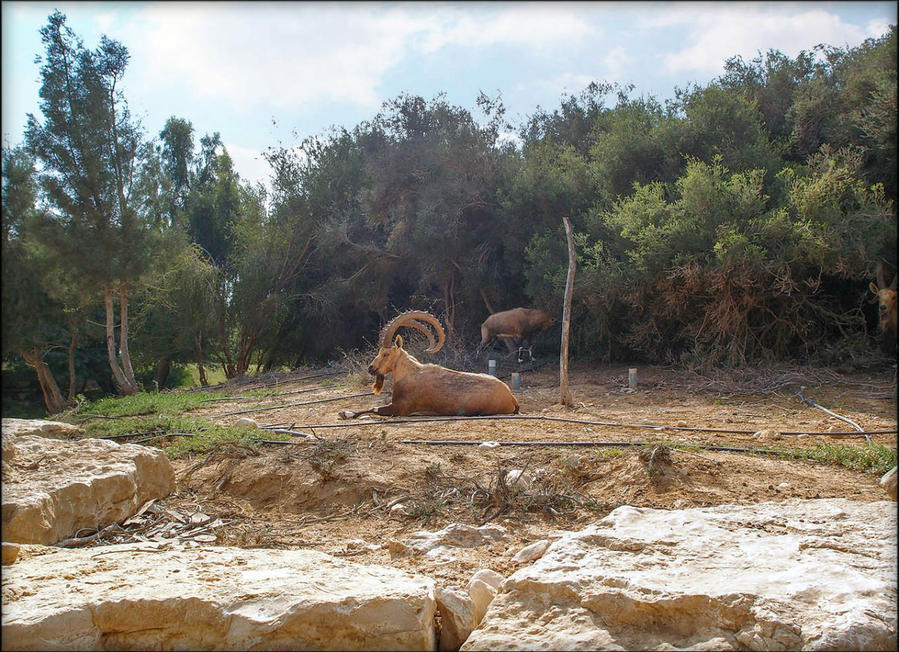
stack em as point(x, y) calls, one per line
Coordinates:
point(89, 150)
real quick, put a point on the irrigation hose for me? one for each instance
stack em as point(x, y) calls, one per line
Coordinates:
point(391, 421)
point(439, 442)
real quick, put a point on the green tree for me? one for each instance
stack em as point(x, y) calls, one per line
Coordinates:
point(31, 315)
point(89, 149)
point(717, 122)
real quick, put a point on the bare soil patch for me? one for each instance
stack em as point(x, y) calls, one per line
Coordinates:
point(338, 494)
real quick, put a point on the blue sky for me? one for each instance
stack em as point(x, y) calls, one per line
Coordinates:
point(273, 73)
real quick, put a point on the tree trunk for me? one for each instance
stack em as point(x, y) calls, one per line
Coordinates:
point(123, 340)
point(52, 397)
point(198, 349)
point(449, 301)
point(117, 375)
point(243, 356)
point(228, 364)
point(73, 342)
point(564, 394)
point(163, 367)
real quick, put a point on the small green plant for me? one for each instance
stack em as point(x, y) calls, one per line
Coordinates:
point(422, 509)
point(325, 455)
point(457, 457)
point(871, 458)
point(572, 464)
point(607, 453)
point(261, 393)
point(177, 435)
point(214, 436)
point(144, 403)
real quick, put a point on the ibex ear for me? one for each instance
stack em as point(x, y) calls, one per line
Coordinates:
point(874, 288)
point(398, 341)
point(895, 282)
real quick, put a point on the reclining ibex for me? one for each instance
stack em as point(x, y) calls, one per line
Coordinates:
point(521, 324)
point(428, 388)
point(886, 297)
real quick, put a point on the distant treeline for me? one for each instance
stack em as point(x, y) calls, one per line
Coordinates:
point(739, 223)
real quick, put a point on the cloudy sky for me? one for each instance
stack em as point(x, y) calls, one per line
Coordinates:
point(273, 73)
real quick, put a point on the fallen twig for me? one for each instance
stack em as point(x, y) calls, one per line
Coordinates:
point(834, 414)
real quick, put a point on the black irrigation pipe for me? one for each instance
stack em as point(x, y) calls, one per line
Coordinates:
point(274, 384)
point(248, 398)
point(437, 442)
point(122, 436)
point(278, 407)
point(368, 422)
point(167, 434)
point(603, 444)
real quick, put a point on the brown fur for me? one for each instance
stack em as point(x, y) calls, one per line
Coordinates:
point(520, 324)
point(431, 389)
point(886, 297)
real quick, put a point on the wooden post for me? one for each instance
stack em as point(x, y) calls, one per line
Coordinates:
point(565, 395)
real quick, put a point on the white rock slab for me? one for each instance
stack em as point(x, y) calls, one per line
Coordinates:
point(888, 482)
point(456, 616)
point(147, 596)
point(455, 535)
point(52, 487)
point(531, 552)
point(802, 574)
point(16, 427)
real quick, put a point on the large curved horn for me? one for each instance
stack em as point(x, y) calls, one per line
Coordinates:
point(411, 319)
point(881, 276)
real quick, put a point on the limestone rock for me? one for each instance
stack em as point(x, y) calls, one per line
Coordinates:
point(515, 478)
point(53, 429)
point(55, 487)
point(455, 535)
point(148, 596)
point(531, 552)
point(456, 617)
point(482, 588)
point(767, 435)
point(481, 594)
point(491, 577)
point(888, 482)
point(10, 552)
point(799, 574)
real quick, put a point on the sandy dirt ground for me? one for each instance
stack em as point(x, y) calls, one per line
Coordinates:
point(356, 485)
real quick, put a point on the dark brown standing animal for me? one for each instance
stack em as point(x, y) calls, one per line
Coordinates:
point(520, 324)
point(428, 388)
point(886, 297)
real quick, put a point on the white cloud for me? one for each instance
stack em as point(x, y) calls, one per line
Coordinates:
point(615, 62)
point(555, 87)
point(505, 137)
point(275, 55)
point(285, 54)
point(717, 31)
point(530, 24)
point(877, 28)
